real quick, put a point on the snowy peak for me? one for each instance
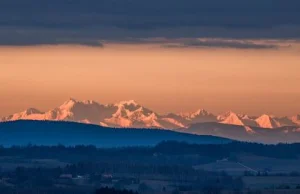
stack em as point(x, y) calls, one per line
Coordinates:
point(73, 102)
point(285, 121)
point(266, 121)
point(131, 114)
point(199, 116)
point(230, 118)
point(245, 117)
point(30, 111)
point(70, 102)
point(225, 115)
point(128, 103)
point(201, 112)
point(296, 119)
point(131, 109)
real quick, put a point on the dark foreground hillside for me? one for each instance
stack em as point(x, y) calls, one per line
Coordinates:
point(68, 133)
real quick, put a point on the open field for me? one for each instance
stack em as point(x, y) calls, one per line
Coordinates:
point(253, 164)
point(11, 163)
point(274, 165)
point(232, 168)
point(271, 182)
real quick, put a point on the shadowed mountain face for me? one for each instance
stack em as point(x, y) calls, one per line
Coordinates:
point(70, 134)
point(131, 114)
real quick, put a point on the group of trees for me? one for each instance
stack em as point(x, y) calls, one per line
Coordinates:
point(226, 150)
point(80, 152)
point(46, 179)
point(265, 173)
point(106, 190)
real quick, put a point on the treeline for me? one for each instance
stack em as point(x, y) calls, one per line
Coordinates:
point(32, 190)
point(74, 153)
point(214, 151)
point(105, 190)
point(225, 150)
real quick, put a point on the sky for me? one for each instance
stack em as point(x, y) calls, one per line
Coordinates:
point(170, 56)
point(164, 79)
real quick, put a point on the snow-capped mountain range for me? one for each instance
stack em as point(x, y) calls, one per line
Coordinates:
point(131, 114)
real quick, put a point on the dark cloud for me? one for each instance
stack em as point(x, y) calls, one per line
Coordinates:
point(81, 21)
point(220, 43)
point(27, 37)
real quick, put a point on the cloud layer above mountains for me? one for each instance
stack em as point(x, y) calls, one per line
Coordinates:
point(35, 22)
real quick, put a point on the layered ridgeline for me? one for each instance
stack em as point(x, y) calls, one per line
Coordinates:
point(24, 132)
point(131, 114)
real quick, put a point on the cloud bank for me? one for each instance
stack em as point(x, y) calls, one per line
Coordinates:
point(34, 22)
point(221, 43)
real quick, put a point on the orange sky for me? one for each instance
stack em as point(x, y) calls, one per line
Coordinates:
point(163, 79)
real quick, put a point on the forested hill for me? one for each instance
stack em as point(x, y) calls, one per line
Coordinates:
point(25, 132)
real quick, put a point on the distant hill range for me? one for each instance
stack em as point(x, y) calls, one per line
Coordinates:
point(287, 134)
point(24, 132)
point(130, 114)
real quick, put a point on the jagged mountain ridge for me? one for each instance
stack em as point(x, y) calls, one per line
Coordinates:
point(131, 114)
